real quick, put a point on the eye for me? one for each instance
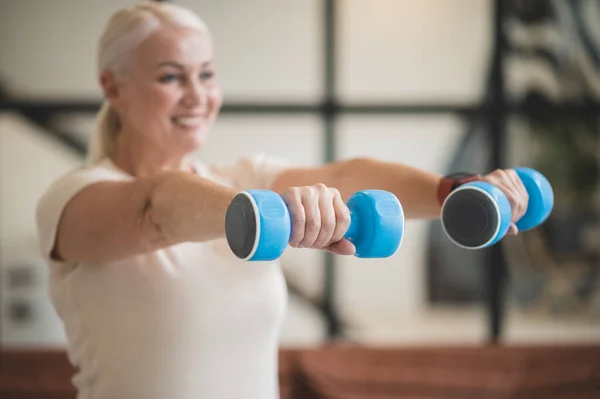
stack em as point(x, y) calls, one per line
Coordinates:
point(206, 75)
point(169, 78)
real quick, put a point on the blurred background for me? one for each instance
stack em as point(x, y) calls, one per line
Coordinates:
point(447, 86)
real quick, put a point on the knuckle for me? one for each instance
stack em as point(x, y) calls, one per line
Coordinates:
point(491, 178)
point(300, 190)
point(303, 189)
point(334, 191)
point(320, 187)
point(293, 192)
point(313, 192)
point(342, 214)
point(495, 181)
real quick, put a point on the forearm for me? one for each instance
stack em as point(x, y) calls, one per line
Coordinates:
point(185, 207)
point(416, 189)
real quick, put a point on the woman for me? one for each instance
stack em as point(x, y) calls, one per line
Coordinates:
point(154, 303)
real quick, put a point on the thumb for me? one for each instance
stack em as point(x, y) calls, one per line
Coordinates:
point(342, 247)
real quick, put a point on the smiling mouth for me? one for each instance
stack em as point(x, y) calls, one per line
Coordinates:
point(188, 121)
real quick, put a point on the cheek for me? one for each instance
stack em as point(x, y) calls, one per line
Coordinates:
point(215, 100)
point(160, 98)
point(151, 100)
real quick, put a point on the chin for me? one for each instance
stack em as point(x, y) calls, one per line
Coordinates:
point(195, 140)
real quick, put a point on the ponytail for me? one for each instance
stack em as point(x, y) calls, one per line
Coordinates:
point(105, 134)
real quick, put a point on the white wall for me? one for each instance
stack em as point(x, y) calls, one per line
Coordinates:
point(266, 50)
point(48, 47)
point(413, 51)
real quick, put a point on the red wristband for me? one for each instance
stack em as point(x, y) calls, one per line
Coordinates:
point(449, 183)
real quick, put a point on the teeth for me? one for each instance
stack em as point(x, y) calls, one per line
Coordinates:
point(188, 121)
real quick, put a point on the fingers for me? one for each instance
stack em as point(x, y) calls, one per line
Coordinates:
point(293, 199)
point(328, 217)
point(342, 218)
point(320, 218)
point(510, 184)
point(523, 194)
point(310, 201)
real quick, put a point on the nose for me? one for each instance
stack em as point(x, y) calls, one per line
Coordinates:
point(195, 94)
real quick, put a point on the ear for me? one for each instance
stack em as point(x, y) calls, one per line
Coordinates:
point(111, 89)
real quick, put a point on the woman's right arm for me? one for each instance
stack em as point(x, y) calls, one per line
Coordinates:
point(111, 220)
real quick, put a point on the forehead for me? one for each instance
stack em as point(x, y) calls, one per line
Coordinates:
point(169, 43)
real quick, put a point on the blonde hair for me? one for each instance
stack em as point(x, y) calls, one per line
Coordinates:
point(126, 29)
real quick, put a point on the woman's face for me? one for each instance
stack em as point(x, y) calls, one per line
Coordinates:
point(170, 97)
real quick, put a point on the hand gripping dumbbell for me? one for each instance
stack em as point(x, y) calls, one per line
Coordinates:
point(258, 224)
point(478, 214)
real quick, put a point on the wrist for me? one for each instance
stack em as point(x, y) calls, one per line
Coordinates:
point(450, 182)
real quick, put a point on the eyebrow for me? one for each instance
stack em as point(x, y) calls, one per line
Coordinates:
point(177, 65)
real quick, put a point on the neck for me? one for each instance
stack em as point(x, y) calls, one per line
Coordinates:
point(142, 159)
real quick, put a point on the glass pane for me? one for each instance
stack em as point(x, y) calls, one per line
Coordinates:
point(413, 51)
point(49, 47)
point(388, 298)
point(554, 268)
point(28, 318)
point(266, 50)
point(552, 52)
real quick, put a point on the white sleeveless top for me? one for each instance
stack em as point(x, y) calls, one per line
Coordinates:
point(187, 322)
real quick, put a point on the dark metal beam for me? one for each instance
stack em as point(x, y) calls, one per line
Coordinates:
point(527, 108)
point(496, 268)
point(329, 112)
point(58, 106)
point(329, 107)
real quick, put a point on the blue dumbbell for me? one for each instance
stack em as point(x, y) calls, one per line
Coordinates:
point(258, 224)
point(477, 214)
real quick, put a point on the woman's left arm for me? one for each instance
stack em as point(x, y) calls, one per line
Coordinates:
point(416, 189)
